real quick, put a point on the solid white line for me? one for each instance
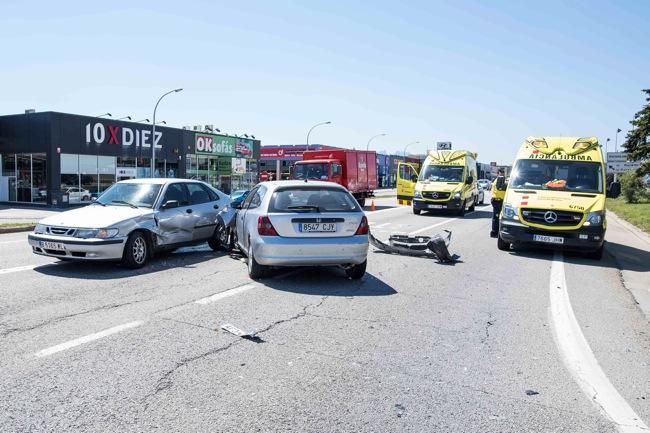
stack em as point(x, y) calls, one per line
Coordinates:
point(22, 268)
point(580, 360)
point(87, 339)
point(424, 229)
point(224, 294)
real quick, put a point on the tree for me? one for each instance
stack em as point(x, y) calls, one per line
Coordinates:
point(636, 141)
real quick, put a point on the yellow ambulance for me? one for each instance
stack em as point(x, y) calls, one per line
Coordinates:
point(556, 196)
point(446, 181)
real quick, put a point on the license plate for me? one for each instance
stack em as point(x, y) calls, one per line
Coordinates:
point(57, 246)
point(435, 206)
point(548, 239)
point(317, 227)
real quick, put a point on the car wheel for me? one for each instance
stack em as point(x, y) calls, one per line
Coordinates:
point(482, 199)
point(356, 271)
point(85, 198)
point(472, 208)
point(255, 270)
point(416, 211)
point(219, 240)
point(461, 211)
point(502, 245)
point(136, 251)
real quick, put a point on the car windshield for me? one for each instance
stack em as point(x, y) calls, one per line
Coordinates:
point(442, 173)
point(310, 171)
point(125, 194)
point(558, 175)
point(306, 199)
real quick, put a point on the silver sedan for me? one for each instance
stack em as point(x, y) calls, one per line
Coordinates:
point(131, 220)
point(300, 223)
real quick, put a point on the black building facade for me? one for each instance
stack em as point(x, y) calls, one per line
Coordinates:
point(52, 158)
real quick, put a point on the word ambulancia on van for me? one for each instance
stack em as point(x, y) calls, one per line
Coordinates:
point(556, 196)
point(446, 181)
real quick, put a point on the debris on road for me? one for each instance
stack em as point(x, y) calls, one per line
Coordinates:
point(418, 246)
point(240, 333)
point(531, 392)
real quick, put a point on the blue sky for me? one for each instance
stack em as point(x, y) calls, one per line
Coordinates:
point(483, 75)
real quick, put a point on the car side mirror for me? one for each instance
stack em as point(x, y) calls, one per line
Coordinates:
point(170, 204)
point(469, 180)
point(414, 178)
point(93, 198)
point(236, 204)
point(614, 190)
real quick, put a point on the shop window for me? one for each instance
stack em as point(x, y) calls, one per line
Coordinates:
point(202, 162)
point(107, 167)
point(89, 175)
point(39, 177)
point(9, 164)
point(24, 177)
point(172, 169)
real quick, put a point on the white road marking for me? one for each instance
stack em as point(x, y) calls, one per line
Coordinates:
point(87, 339)
point(580, 360)
point(424, 229)
point(224, 294)
point(23, 268)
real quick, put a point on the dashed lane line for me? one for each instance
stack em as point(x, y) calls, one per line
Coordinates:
point(580, 360)
point(23, 268)
point(424, 229)
point(224, 294)
point(87, 339)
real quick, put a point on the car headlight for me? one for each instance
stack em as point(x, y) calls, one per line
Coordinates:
point(457, 195)
point(510, 212)
point(595, 218)
point(97, 233)
point(417, 193)
point(39, 229)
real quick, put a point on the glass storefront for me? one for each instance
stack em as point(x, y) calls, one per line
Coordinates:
point(24, 178)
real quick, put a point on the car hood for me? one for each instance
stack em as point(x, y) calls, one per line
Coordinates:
point(560, 200)
point(95, 216)
point(441, 186)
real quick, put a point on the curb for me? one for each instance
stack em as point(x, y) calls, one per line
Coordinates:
point(28, 228)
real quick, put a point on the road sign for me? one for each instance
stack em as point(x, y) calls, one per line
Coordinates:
point(617, 163)
point(444, 145)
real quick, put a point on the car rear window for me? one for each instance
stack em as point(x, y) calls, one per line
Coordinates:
point(312, 199)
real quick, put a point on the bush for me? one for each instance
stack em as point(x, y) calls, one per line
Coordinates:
point(633, 188)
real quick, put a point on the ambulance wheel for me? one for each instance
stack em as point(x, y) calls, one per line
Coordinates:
point(461, 211)
point(502, 245)
point(472, 208)
point(416, 211)
point(598, 254)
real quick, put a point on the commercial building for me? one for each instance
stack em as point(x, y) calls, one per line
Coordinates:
point(52, 158)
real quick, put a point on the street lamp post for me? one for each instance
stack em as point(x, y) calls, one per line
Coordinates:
point(153, 132)
point(312, 128)
point(616, 141)
point(372, 138)
point(407, 146)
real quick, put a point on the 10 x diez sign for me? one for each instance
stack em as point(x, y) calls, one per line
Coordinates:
point(120, 135)
point(212, 144)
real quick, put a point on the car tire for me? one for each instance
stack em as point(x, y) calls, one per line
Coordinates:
point(85, 198)
point(357, 271)
point(136, 251)
point(219, 240)
point(461, 211)
point(472, 208)
point(416, 211)
point(255, 270)
point(482, 199)
point(501, 244)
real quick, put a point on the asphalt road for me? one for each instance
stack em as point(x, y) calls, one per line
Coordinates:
point(484, 345)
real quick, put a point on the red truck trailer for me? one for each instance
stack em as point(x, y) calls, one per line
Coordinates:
point(354, 169)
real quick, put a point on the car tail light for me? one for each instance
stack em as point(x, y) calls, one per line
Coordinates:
point(363, 228)
point(264, 227)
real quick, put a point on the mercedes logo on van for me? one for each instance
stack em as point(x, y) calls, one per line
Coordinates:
point(550, 217)
point(434, 195)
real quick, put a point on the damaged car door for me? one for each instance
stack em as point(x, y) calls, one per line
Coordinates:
point(175, 217)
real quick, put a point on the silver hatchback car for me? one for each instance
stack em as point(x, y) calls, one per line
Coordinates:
point(302, 223)
point(131, 220)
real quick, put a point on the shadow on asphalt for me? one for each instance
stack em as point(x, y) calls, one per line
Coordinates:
point(367, 208)
point(325, 281)
point(616, 256)
point(183, 258)
point(480, 213)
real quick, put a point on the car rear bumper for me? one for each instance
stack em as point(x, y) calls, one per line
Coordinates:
point(583, 239)
point(80, 249)
point(283, 251)
point(420, 204)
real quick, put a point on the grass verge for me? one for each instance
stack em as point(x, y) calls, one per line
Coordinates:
point(634, 213)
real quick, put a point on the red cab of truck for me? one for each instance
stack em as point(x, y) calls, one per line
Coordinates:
point(354, 169)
